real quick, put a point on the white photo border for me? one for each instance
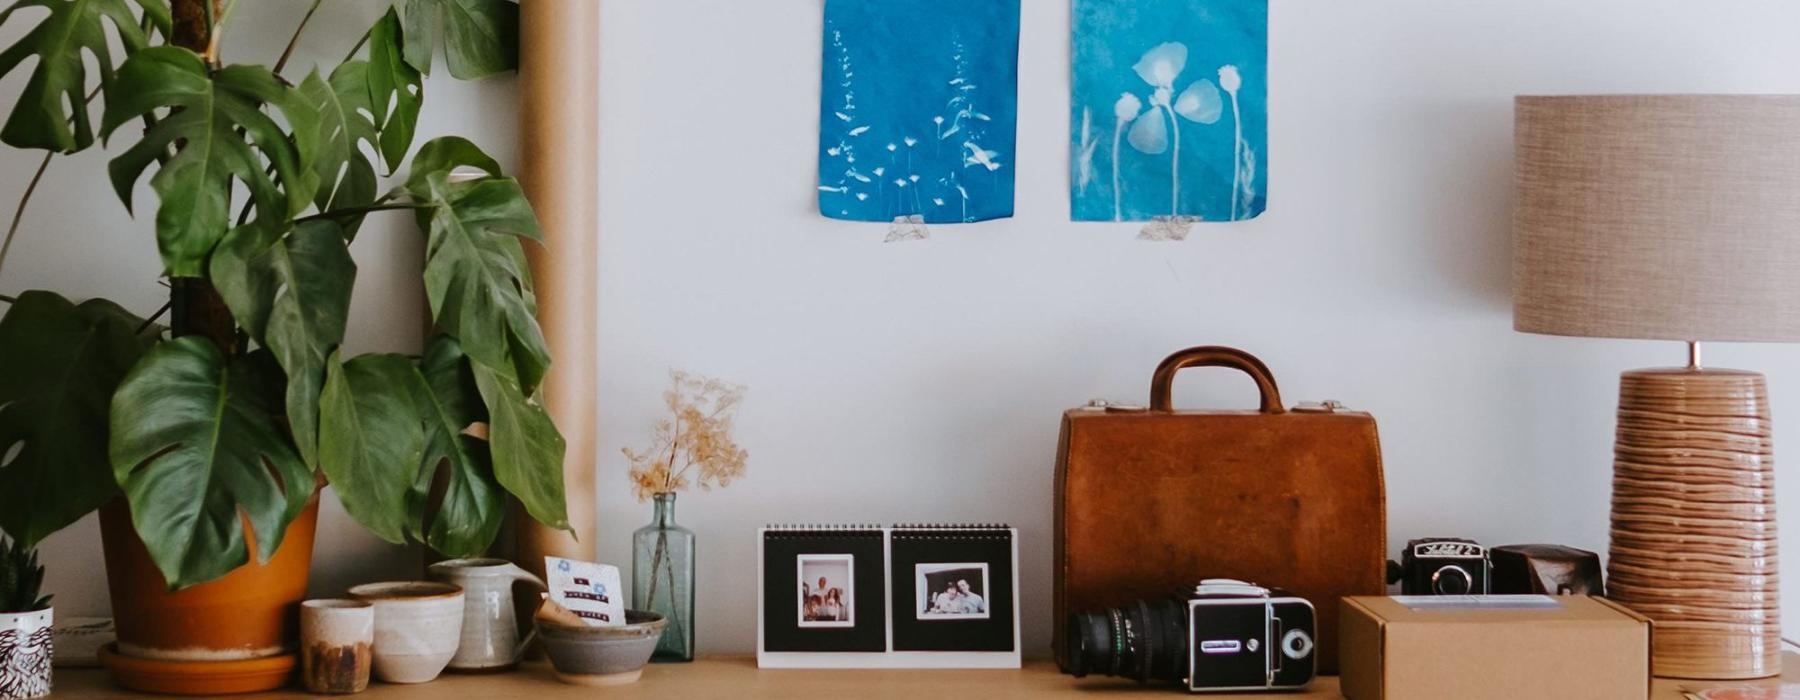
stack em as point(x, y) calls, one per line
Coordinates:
point(800, 562)
point(921, 591)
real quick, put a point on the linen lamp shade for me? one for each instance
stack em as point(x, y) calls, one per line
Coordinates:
point(1658, 216)
point(1674, 217)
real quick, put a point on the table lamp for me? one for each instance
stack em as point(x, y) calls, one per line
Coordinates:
point(1674, 217)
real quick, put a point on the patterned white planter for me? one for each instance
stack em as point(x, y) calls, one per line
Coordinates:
point(25, 655)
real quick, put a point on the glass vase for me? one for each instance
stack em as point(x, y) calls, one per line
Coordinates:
point(662, 578)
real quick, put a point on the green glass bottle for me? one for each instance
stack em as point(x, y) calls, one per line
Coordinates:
point(662, 578)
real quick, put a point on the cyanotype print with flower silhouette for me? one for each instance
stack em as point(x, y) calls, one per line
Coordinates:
point(1169, 117)
point(917, 110)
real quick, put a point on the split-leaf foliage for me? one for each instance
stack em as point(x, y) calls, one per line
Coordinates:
point(21, 579)
point(261, 183)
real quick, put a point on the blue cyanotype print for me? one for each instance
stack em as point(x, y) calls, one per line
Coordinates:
point(1169, 116)
point(917, 110)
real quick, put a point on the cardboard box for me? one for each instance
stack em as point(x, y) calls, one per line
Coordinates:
point(1492, 647)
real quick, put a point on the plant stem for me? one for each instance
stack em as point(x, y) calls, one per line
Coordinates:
point(281, 63)
point(674, 608)
point(19, 213)
point(1237, 157)
point(295, 40)
point(656, 564)
point(660, 563)
point(9, 299)
point(1174, 165)
point(1118, 197)
point(358, 46)
point(148, 322)
point(215, 28)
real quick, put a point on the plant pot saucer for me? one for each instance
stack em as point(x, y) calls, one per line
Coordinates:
point(169, 677)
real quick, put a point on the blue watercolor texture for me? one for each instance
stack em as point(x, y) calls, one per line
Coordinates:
point(918, 108)
point(1169, 109)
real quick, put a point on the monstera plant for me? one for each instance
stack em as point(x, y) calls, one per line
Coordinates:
point(217, 427)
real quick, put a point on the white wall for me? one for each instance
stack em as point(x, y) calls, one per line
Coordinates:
point(923, 381)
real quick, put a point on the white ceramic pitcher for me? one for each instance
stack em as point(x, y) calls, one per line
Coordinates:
point(490, 628)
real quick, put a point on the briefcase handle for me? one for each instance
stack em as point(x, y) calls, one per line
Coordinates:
point(1163, 382)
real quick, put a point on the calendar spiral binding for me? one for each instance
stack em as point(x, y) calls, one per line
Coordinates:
point(952, 531)
point(907, 530)
point(805, 531)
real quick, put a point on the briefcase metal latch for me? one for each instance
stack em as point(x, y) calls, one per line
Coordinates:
point(1113, 406)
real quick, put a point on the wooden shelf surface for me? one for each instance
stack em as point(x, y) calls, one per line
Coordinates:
point(728, 677)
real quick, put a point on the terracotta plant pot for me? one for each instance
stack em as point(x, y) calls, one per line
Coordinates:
point(250, 613)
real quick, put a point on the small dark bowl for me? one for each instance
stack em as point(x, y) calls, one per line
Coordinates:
point(585, 655)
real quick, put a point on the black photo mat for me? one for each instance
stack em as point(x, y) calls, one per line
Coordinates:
point(948, 557)
point(782, 628)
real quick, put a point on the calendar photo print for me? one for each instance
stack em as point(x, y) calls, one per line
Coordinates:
point(951, 591)
point(824, 591)
point(954, 590)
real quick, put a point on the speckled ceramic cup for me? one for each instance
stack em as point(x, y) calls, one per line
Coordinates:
point(336, 637)
point(417, 628)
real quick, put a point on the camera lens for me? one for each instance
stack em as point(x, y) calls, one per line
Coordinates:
point(1452, 580)
point(1296, 644)
point(1144, 640)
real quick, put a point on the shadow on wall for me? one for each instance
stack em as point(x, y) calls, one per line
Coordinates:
point(348, 555)
point(1470, 176)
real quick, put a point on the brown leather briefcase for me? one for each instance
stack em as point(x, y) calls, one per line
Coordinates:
point(1151, 501)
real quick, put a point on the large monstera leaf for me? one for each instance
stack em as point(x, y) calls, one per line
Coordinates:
point(396, 441)
point(197, 448)
point(52, 112)
point(292, 294)
point(63, 362)
point(372, 439)
point(395, 89)
point(219, 133)
point(475, 272)
point(473, 506)
point(481, 37)
point(345, 175)
point(527, 449)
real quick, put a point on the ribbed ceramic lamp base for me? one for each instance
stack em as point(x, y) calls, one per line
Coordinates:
point(1693, 521)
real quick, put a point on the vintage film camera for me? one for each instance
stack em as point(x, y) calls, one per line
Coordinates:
point(1442, 566)
point(1225, 636)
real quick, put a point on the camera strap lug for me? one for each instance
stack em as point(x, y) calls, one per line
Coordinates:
point(1272, 659)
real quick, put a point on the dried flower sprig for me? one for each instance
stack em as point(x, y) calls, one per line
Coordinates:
point(694, 442)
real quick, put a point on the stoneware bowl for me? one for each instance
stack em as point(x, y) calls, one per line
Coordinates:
point(585, 655)
point(417, 627)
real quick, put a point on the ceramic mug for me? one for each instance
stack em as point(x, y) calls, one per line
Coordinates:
point(25, 654)
point(490, 628)
point(335, 641)
point(417, 624)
